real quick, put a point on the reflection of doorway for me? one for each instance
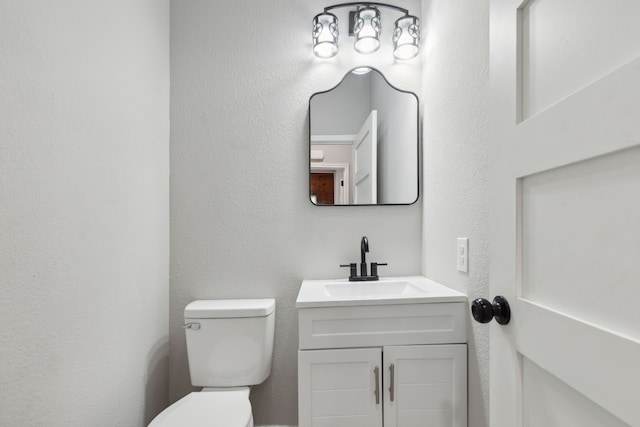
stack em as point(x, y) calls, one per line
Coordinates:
point(339, 176)
point(322, 185)
point(353, 159)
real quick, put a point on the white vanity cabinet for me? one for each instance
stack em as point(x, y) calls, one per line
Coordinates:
point(336, 388)
point(394, 386)
point(425, 385)
point(399, 360)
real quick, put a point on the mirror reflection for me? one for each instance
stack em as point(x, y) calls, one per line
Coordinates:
point(363, 137)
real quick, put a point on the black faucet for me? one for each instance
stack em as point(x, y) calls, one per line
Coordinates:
point(353, 271)
point(364, 248)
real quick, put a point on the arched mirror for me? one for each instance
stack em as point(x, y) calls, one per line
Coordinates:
point(363, 137)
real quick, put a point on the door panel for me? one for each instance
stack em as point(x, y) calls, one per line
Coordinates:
point(552, 403)
point(365, 158)
point(337, 388)
point(597, 363)
point(429, 386)
point(564, 176)
point(586, 205)
point(559, 57)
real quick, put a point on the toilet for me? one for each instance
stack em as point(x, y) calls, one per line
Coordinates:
point(230, 347)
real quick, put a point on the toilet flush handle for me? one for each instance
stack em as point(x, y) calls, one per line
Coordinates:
point(192, 326)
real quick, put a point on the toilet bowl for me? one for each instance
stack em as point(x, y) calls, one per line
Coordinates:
point(209, 408)
point(229, 348)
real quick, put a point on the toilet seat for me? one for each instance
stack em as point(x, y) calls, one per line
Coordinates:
point(208, 408)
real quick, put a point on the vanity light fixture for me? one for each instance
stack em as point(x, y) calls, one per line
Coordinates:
point(325, 35)
point(366, 26)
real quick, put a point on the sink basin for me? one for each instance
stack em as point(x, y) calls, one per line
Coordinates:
point(391, 290)
point(384, 289)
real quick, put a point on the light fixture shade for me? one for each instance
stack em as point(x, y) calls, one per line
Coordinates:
point(325, 35)
point(406, 37)
point(367, 29)
point(360, 71)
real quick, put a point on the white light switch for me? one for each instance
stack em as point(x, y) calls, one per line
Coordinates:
point(462, 254)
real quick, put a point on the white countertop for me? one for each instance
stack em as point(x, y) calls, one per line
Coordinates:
point(386, 290)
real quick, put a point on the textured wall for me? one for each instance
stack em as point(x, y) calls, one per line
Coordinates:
point(84, 144)
point(455, 96)
point(242, 225)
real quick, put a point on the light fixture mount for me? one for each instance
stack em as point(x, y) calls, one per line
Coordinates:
point(365, 25)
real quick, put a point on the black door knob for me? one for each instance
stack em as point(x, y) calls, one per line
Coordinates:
point(483, 311)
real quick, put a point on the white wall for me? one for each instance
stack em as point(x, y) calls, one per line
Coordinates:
point(455, 132)
point(342, 110)
point(242, 224)
point(84, 136)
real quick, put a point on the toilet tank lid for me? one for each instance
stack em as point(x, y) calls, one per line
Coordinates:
point(228, 308)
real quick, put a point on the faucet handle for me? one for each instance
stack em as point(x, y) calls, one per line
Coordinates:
point(374, 267)
point(353, 271)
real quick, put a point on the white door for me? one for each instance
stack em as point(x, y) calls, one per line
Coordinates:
point(340, 388)
point(565, 228)
point(425, 385)
point(365, 159)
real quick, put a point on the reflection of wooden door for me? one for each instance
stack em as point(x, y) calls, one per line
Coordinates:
point(365, 159)
point(565, 212)
point(322, 186)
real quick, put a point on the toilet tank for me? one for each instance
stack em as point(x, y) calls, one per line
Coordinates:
point(230, 342)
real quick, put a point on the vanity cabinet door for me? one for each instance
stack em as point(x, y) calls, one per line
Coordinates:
point(337, 388)
point(425, 385)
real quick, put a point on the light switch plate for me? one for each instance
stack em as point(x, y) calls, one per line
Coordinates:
point(462, 254)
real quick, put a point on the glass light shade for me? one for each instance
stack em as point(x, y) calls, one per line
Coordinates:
point(406, 37)
point(367, 29)
point(361, 70)
point(325, 35)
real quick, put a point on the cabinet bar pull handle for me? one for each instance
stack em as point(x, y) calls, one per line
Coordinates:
point(376, 371)
point(392, 381)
